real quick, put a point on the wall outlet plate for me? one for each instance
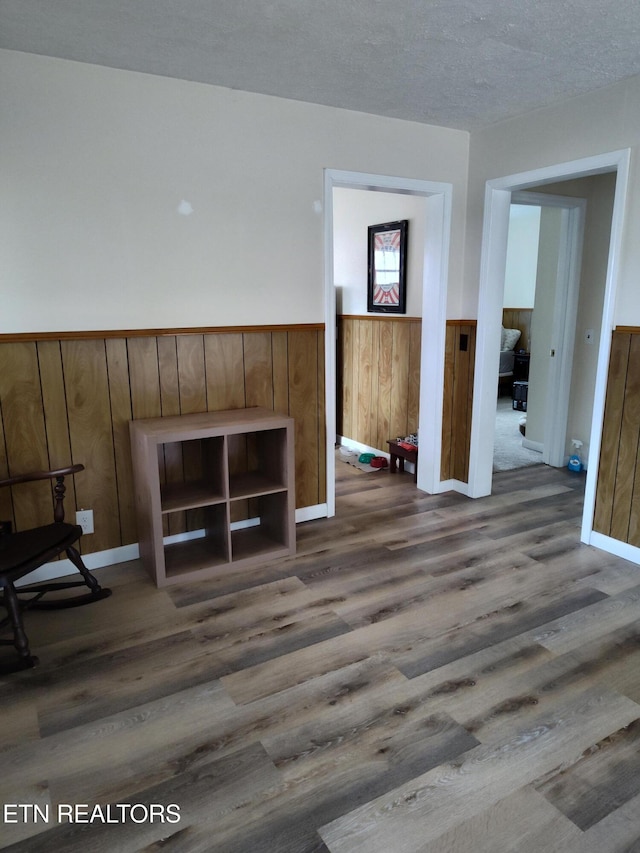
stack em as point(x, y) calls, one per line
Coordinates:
point(84, 518)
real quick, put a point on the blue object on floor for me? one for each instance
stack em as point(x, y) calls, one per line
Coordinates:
point(574, 463)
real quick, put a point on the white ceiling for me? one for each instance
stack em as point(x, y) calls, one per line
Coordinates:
point(455, 63)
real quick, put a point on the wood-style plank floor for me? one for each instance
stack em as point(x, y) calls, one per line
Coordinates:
point(429, 673)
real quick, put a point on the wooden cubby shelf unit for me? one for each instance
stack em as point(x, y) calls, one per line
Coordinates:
point(213, 491)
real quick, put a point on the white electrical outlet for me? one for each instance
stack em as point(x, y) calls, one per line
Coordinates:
point(85, 519)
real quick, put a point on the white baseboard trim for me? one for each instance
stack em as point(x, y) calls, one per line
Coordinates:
point(351, 444)
point(310, 513)
point(97, 560)
point(454, 486)
point(615, 546)
point(533, 445)
point(124, 553)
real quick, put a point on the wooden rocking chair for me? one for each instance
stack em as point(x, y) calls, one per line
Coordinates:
point(23, 552)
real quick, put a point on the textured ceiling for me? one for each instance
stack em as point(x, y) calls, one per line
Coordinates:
point(456, 63)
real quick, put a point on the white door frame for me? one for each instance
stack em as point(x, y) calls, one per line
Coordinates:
point(494, 247)
point(438, 199)
point(565, 315)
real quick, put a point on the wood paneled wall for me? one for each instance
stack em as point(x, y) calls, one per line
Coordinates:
point(460, 351)
point(617, 509)
point(69, 399)
point(519, 318)
point(378, 385)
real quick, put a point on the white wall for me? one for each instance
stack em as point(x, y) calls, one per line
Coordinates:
point(596, 123)
point(522, 256)
point(96, 162)
point(353, 212)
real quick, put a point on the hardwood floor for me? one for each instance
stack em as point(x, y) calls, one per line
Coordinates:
point(428, 673)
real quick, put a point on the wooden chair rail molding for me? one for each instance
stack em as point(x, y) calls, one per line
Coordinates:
point(71, 397)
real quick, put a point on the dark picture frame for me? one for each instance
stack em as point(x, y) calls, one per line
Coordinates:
point(387, 270)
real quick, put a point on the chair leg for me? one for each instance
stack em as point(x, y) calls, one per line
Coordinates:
point(20, 640)
point(96, 590)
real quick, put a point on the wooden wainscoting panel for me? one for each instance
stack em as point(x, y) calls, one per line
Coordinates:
point(447, 403)
point(321, 425)
point(144, 386)
point(71, 399)
point(6, 503)
point(280, 360)
point(413, 399)
point(612, 427)
point(258, 369)
point(617, 507)
point(457, 400)
point(170, 456)
point(144, 377)
point(460, 393)
point(303, 388)
point(628, 449)
point(193, 398)
point(224, 362)
point(379, 364)
point(54, 404)
point(191, 374)
point(120, 400)
point(632, 416)
point(346, 382)
point(468, 403)
point(24, 430)
point(91, 434)
point(633, 536)
point(398, 421)
point(364, 359)
point(385, 384)
point(168, 376)
point(355, 378)
point(374, 402)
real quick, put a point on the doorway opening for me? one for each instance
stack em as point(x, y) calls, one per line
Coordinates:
point(540, 307)
point(437, 201)
point(498, 200)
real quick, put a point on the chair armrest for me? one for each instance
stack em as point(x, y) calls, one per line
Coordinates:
point(58, 475)
point(41, 475)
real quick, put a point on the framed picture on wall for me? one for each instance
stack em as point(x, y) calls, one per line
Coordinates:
point(387, 281)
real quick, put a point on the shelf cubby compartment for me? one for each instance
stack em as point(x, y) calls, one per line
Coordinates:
point(195, 473)
point(263, 466)
point(267, 533)
point(187, 555)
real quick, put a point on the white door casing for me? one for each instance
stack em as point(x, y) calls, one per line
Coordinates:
point(438, 198)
